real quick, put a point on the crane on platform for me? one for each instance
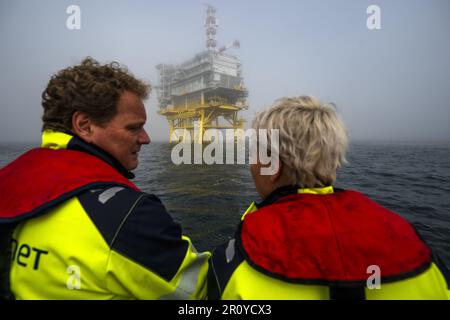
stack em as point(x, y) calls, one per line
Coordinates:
point(234, 44)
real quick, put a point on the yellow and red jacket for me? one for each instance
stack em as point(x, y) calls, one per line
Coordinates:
point(321, 244)
point(82, 230)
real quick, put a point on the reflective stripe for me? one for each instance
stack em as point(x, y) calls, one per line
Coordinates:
point(229, 252)
point(188, 282)
point(108, 194)
point(250, 209)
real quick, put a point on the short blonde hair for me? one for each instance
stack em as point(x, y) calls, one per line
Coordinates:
point(313, 139)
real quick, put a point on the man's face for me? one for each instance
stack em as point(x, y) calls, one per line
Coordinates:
point(124, 134)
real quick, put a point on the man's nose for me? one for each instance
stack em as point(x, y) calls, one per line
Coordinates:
point(144, 138)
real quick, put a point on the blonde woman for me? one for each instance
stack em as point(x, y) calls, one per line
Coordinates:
point(308, 240)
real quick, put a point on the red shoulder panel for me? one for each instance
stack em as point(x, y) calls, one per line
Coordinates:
point(42, 176)
point(332, 238)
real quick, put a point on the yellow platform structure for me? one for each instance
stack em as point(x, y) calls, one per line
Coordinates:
point(212, 114)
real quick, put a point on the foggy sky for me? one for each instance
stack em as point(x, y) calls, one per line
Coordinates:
point(388, 84)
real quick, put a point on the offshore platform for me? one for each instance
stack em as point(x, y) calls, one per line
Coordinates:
point(205, 92)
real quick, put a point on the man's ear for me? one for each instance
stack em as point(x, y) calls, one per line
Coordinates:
point(82, 126)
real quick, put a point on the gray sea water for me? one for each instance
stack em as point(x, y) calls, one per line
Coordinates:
point(412, 179)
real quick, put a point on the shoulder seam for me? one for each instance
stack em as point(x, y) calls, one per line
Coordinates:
point(125, 218)
point(216, 278)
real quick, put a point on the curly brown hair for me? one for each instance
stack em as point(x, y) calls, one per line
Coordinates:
point(88, 87)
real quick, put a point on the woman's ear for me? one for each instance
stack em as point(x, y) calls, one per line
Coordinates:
point(278, 174)
point(82, 126)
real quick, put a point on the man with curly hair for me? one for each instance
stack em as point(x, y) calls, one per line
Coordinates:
point(72, 223)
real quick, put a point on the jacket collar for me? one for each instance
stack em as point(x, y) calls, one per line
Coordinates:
point(288, 190)
point(67, 140)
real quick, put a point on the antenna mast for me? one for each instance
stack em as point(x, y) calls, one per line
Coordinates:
point(211, 24)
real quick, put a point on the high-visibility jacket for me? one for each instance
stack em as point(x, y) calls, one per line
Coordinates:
point(321, 244)
point(84, 231)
